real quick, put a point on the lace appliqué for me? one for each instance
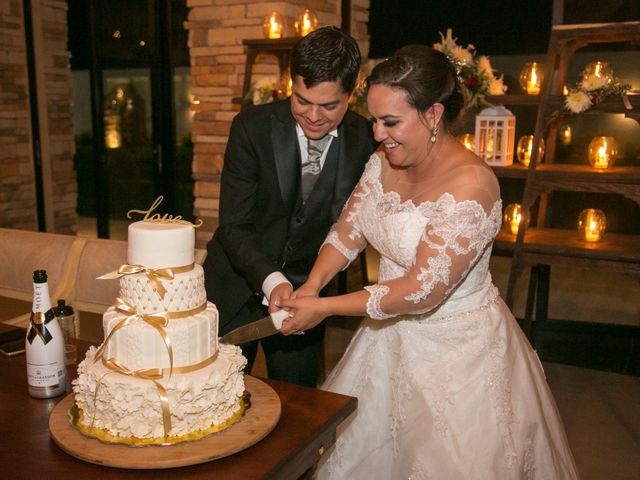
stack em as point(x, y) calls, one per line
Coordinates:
point(452, 222)
point(499, 387)
point(376, 292)
point(334, 240)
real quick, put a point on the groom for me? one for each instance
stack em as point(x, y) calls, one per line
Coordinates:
point(289, 167)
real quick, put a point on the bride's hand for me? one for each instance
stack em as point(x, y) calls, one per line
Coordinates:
point(304, 313)
point(306, 290)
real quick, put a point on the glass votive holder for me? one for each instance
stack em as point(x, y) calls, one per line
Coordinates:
point(306, 22)
point(511, 218)
point(531, 78)
point(525, 148)
point(273, 25)
point(592, 224)
point(602, 152)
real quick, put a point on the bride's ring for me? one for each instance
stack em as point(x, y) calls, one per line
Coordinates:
point(298, 333)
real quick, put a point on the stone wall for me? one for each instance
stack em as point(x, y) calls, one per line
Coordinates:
point(216, 31)
point(53, 79)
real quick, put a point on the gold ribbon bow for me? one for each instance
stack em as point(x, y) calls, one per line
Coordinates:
point(157, 320)
point(152, 374)
point(154, 274)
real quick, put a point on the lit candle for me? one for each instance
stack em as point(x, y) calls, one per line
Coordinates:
point(602, 152)
point(512, 218)
point(524, 150)
point(468, 141)
point(515, 223)
point(592, 232)
point(274, 28)
point(306, 23)
point(533, 88)
point(591, 225)
point(566, 135)
point(531, 78)
point(273, 25)
point(565, 91)
point(602, 160)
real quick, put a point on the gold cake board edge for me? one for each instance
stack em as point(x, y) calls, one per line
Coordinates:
point(258, 421)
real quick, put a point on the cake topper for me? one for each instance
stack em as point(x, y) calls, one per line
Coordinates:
point(166, 218)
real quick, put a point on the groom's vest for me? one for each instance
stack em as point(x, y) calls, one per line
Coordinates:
point(310, 221)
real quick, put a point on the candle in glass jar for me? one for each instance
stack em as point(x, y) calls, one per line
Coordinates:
point(591, 225)
point(602, 152)
point(273, 26)
point(532, 85)
point(512, 218)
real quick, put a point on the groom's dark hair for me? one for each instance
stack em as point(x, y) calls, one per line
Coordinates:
point(326, 55)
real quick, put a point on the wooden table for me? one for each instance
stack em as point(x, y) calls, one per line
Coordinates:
point(307, 427)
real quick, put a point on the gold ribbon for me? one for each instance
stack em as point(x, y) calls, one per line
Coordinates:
point(152, 374)
point(153, 274)
point(156, 320)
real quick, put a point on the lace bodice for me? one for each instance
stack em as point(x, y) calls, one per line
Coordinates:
point(431, 250)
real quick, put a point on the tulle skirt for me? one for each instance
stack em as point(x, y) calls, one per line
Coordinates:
point(463, 397)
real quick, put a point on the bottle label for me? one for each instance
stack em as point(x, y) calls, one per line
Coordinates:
point(39, 323)
point(45, 375)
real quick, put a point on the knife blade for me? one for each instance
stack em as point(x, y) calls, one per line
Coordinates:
point(264, 327)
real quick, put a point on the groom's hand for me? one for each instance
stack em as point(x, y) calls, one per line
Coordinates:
point(282, 291)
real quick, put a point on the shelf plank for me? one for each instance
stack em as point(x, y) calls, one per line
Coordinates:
point(517, 170)
point(614, 246)
point(562, 172)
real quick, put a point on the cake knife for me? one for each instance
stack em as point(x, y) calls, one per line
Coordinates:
point(264, 327)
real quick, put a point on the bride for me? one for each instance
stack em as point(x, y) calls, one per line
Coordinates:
point(448, 386)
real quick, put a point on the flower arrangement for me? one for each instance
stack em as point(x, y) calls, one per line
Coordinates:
point(592, 90)
point(265, 90)
point(476, 74)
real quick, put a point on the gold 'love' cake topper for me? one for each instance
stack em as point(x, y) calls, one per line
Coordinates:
point(157, 218)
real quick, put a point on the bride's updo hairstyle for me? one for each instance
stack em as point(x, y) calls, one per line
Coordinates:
point(427, 77)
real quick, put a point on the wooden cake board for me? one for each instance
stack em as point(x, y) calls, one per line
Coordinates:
point(257, 423)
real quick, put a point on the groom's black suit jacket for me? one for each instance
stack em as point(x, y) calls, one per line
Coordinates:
point(264, 225)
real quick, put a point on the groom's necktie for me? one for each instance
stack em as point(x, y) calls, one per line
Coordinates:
point(311, 168)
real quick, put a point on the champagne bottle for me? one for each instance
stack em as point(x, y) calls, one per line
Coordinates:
point(46, 371)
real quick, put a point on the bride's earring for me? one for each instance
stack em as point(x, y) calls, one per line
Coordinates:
point(434, 134)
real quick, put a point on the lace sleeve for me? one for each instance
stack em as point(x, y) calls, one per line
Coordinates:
point(345, 236)
point(456, 235)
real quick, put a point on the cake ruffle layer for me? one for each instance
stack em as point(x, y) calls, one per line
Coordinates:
point(185, 292)
point(138, 345)
point(126, 406)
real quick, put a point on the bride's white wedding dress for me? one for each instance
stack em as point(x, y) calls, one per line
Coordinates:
point(455, 392)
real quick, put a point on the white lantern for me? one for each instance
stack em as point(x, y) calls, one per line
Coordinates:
point(495, 136)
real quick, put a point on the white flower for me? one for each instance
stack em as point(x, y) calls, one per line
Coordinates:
point(577, 102)
point(462, 55)
point(593, 82)
point(265, 83)
point(447, 44)
point(497, 86)
point(484, 65)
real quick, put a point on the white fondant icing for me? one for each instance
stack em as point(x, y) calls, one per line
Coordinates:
point(185, 292)
point(160, 245)
point(127, 406)
point(139, 345)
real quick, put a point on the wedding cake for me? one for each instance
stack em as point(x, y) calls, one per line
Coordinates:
point(160, 376)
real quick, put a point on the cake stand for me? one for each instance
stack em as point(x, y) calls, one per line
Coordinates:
point(257, 422)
